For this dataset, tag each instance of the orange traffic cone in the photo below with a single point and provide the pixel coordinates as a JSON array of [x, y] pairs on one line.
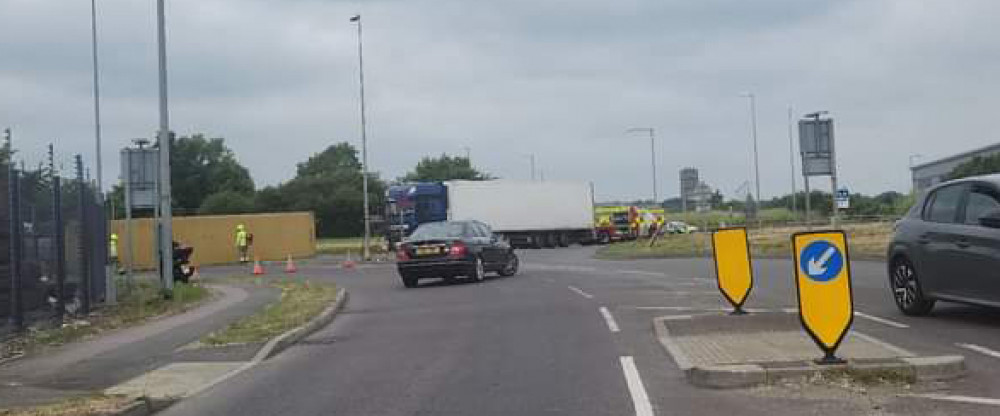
[[257, 268], [348, 264], [290, 265]]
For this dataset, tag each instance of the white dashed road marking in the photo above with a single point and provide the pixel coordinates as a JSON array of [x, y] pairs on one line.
[[980, 349], [639, 398], [882, 321], [959, 399], [612, 325], [581, 292]]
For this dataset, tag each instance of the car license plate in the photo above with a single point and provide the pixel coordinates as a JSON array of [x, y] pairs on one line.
[[424, 251]]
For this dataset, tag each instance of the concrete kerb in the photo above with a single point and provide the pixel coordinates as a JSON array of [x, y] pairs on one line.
[[283, 341], [743, 375]]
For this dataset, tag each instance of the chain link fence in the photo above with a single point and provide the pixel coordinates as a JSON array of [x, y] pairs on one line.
[[53, 243]]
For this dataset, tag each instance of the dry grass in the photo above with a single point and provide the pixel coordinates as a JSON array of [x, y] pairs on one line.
[[78, 406], [866, 241], [300, 301]]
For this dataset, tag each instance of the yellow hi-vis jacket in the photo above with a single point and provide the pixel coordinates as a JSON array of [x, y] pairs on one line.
[[241, 238]]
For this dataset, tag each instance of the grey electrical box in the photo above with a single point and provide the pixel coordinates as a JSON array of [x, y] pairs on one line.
[[140, 170], [816, 147]]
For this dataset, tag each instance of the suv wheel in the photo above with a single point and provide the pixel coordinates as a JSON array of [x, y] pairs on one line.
[[478, 271], [906, 288], [409, 281]]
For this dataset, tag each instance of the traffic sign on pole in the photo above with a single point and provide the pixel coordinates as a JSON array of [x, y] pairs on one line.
[[733, 270], [823, 282]]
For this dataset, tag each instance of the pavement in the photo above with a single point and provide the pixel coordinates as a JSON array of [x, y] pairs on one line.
[[93, 365], [573, 335]]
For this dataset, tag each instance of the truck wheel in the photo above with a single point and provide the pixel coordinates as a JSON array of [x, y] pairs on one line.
[[563, 240], [550, 240], [537, 240]]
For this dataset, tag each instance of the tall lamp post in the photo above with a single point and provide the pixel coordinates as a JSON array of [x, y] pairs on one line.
[[364, 142], [753, 135], [652, 154], [166, 213], [109, 287]]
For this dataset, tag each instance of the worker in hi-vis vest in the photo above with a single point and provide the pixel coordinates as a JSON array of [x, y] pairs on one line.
[[243, 243], [113, 251]]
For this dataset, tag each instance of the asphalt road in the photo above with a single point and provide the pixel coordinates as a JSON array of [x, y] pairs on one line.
[[573, 336]]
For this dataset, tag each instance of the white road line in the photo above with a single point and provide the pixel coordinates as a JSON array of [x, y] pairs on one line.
[[882, 321], [980, 349], [899, 351], [612, 325], [959, 399], [581, 292], [639, 398]]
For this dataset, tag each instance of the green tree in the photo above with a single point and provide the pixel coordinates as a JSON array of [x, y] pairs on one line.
[[227, 202], [979, 165], [201, 167], [329, 184], [443, 168]]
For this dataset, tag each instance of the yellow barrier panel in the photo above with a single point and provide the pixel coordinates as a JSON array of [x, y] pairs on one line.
[[733, 270], [823, 282]]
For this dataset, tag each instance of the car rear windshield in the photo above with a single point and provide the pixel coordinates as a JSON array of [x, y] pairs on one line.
[[436, 230]]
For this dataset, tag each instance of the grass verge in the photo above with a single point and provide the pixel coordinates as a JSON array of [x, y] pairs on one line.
[[300, 301], [77, 406], [866, 241], [144, 302]]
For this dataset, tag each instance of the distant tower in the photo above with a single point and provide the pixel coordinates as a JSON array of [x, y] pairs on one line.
[[689, 184]]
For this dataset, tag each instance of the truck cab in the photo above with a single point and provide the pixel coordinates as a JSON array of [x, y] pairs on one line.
[[409, 205]]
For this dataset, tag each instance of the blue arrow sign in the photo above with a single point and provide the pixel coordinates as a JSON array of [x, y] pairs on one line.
[[821, 261]]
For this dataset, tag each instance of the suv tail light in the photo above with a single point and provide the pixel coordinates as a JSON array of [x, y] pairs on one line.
[[403, 252], [457, 250]]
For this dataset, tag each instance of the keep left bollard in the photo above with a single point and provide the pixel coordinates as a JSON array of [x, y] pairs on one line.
[[733, 270]]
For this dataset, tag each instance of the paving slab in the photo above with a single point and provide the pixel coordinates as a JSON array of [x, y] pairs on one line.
[[175, 380]]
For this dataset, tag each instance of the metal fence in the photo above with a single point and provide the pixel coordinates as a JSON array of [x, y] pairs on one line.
[[53, 227]]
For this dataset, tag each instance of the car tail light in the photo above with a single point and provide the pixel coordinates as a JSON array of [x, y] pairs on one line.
[[403, 252], [458, 250]]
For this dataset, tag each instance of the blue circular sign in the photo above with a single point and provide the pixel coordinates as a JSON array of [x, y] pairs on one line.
[[821, 261]]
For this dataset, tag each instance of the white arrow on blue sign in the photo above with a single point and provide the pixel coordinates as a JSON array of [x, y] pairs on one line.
[[821, 260]]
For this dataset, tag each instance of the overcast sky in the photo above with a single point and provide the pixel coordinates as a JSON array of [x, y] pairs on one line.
[[560, 79]]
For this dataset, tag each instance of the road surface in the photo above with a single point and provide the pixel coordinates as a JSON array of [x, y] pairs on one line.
[[570, 335]]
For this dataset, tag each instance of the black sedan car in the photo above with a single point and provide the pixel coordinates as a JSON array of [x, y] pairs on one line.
[[449, 249], [947, 247]]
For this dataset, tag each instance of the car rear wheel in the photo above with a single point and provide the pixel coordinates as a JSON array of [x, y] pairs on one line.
[[510, 268], [906, 290], [478, 271], [409, 281]]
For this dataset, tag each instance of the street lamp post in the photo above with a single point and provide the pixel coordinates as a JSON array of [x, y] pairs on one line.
[[652, 154], [753, 135], [109, 287], [166, 213], [364, 142], [791, 158]]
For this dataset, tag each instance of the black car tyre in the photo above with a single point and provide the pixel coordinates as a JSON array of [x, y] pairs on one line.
[[563, 240], [511, 267], [409, 281], [478, 271], [906, 290]]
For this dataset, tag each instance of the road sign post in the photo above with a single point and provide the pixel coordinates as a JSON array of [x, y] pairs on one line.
[[733, 270], [823, 283]]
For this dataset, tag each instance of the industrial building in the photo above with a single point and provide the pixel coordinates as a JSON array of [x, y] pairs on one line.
[[931, 173], [694, 192]]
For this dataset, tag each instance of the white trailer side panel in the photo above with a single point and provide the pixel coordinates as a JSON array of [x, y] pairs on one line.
[[507, 205]]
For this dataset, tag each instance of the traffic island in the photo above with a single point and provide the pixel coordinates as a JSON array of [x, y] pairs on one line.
[[722, 351]]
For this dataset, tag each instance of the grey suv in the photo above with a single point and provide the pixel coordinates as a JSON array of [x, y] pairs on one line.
[[947, 247]]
